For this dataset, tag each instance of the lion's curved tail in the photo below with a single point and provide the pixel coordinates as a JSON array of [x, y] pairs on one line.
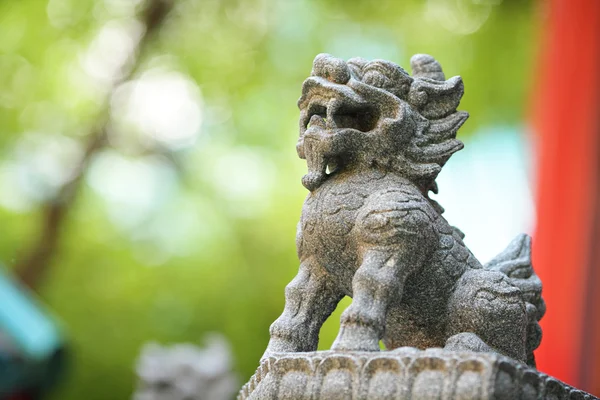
[[515, 262]]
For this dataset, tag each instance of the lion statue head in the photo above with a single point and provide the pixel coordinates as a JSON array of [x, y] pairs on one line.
[[360, 114]]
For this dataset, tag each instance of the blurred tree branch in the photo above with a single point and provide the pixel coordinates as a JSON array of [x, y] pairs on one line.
[[35, 261]]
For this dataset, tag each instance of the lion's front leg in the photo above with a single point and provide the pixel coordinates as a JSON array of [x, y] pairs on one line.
[[395, 234], [378, 281], [310, 298]]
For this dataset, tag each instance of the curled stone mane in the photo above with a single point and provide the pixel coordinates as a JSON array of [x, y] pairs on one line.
[[436, 119]]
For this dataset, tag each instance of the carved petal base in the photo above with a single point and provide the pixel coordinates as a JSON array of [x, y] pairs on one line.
[[404, 373]]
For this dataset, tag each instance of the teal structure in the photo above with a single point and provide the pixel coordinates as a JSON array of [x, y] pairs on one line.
[[32, 345]]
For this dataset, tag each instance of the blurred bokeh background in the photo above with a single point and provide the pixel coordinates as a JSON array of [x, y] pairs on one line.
[[149, 184]]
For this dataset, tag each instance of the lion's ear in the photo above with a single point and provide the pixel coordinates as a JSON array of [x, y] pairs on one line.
[[430, 93], [435, 99]]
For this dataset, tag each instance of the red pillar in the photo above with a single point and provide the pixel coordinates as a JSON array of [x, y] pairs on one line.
[[566, 117]]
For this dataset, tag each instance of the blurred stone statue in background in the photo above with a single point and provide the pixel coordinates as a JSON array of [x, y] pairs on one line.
[[186, 371]]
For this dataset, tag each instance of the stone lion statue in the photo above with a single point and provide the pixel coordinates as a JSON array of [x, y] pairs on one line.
[[374, 139], [186, 371]]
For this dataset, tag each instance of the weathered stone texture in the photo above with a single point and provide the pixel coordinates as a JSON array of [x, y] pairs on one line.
[[404, 373], [374, 139]]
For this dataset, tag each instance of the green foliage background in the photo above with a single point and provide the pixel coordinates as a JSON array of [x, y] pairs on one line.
[[215, 247]]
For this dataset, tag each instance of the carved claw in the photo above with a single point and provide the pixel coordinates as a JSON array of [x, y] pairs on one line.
[[355, 337], [467, 341]]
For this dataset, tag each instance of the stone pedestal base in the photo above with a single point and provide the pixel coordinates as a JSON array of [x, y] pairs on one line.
[[404, 373]]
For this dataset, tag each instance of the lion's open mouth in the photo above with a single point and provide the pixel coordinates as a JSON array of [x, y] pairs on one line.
[[342, 113], [330, 114]]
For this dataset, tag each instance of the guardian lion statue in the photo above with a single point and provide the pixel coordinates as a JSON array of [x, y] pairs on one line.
[[374, 139]]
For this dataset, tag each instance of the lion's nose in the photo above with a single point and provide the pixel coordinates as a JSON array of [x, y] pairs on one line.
[[331, 68]]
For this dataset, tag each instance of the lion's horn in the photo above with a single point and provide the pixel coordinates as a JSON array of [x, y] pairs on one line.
[[425, 66]]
